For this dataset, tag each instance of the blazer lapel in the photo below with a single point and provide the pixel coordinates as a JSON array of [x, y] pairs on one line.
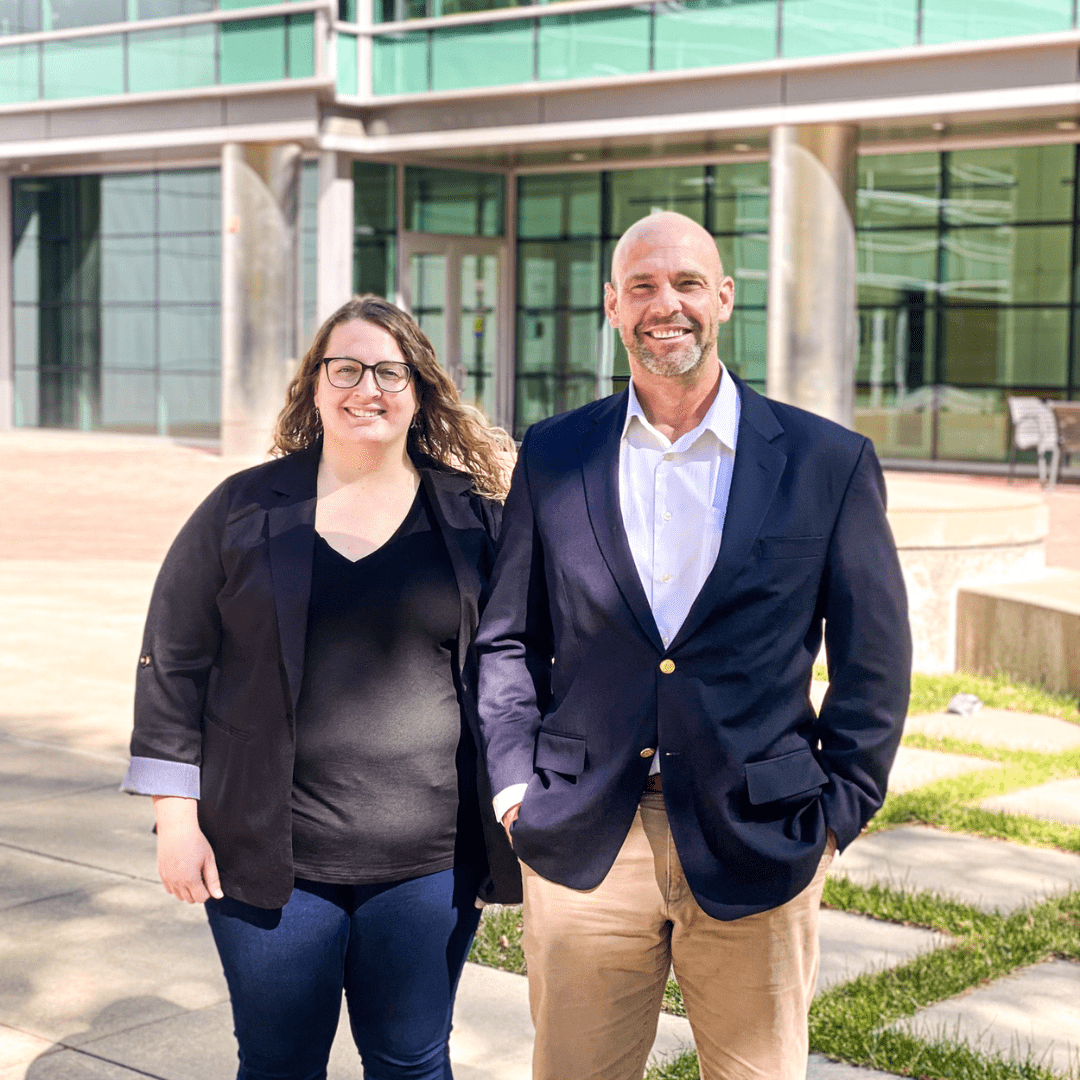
[[453, 516], [758, 468], [600, 471], [292, 547]]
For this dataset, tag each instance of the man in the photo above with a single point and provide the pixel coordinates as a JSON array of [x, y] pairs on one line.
[[668, 558]]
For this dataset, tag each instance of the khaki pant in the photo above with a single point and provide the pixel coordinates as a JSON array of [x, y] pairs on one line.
[[599, 961]]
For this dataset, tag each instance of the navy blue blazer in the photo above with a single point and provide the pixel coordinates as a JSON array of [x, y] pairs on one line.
[[571, 685]]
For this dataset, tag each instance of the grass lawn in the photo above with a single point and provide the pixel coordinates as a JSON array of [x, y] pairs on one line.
[[853, 1022]]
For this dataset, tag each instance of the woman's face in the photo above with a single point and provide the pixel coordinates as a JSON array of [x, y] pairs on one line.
[[365, 415]]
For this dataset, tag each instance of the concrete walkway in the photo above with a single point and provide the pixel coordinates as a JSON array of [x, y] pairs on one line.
[[105, 976]]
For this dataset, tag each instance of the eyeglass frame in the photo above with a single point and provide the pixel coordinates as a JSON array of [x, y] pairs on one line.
[[364, 368]]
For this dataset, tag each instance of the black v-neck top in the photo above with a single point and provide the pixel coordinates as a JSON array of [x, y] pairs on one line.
[[377, 795]]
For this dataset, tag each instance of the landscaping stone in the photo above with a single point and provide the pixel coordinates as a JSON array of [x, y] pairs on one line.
[[852, 945], [1000, 727], [1058, 800], [989, 874], [913, 768], [1031, 1014]]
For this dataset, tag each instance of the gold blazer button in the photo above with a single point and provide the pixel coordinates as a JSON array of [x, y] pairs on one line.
[[144, 660], [667, 666], [648, 752]]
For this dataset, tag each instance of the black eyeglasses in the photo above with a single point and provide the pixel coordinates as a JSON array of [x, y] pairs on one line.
[[345, 373]]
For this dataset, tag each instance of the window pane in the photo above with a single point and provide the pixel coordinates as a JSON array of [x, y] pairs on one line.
[[991, 345], [375, 198], [566, 205], [171, 59], [636, 193], [969, 20], [160, 9], [898, 190], [84, 68], [128, 337], [702, 33], [900, 425], [557, 363], [895, 346], [1032, 183], [189, 200], [971, 425], [128, 202], [598, 43], [742, 344], [127, 269], [373, 266], [482, 55], [190, 268], [18, 73], [189, 405], [346, 65], [559, 275], [19, 16], [1008, 264], [189, 337], [740, 195], [399, 64], [895, 265], [69, 13], [458, 203], [821, 27], [301, 46], [253, 50]]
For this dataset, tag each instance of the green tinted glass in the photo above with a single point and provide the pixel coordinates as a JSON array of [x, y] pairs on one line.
[[994, 345], [253, 50], [561, 274], [746, 259], [822, 27], [704, 33], [399, 64], [598, 43], [898, 190], [19, 17], [742, 344], [19, 73], [482, 55], [740, 197], [559, 205], [1008, 264], [457, 203], [85, 67], [189, 201], [301, 42], [171, 59], [346, 65], [373, 265], [556, 364], [374, 197], [64, 14], [636, 193], [971, 20], [1031, 183], [160, 9], [895, 264]]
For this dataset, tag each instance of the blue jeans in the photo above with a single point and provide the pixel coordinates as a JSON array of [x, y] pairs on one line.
[[397, 950]]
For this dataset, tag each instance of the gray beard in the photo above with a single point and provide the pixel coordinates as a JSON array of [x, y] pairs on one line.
[[681, 363]]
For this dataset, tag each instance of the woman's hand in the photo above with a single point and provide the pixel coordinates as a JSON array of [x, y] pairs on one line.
[[186, 861]]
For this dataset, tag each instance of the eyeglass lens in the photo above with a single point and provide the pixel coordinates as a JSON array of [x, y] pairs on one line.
[[345, 373]]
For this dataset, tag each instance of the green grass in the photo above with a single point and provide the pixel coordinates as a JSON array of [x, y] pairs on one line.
[[498, 940]]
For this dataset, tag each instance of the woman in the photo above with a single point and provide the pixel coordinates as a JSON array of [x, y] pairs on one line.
[[304, 710]]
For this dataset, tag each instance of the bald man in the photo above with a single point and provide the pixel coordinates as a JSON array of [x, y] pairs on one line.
[[670, 560]]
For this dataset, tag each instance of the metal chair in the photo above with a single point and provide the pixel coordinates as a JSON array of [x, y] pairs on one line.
[[1067, 420], [1034, 428]]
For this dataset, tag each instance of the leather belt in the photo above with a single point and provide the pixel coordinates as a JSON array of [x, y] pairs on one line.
[[653, 784]]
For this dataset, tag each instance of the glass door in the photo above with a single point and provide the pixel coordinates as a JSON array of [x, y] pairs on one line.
[[455, 288]]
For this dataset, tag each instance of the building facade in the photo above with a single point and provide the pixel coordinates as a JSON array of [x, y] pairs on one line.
[[476, 162]]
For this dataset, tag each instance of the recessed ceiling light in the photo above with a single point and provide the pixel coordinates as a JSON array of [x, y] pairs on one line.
[[1066, 125], [741, 147], [938, 125], [577, 156]]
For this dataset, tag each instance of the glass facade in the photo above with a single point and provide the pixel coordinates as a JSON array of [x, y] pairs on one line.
[[671, 37], [375, 228], [117, 299], [967, 292], [568, 223]]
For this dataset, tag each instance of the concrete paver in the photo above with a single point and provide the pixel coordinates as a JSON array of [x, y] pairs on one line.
[[820, 1068], [30, 771], [1059, 800], [989, 874], [854, 945], [1000, 727], [1033, 1013], [27, 877], [913, 767]]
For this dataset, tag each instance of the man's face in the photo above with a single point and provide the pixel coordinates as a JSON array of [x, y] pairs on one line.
[[669, 297]]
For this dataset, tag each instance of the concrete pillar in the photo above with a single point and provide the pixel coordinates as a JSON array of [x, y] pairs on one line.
[[7, 309], [260, 294], [335, 264], [812, 336]]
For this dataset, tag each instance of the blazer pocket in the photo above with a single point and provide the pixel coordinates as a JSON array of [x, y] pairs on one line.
[[783, 777], [236, 733], [792, 547], [560, 753]]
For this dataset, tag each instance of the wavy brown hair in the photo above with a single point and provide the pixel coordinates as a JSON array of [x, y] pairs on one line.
[[445, 429]]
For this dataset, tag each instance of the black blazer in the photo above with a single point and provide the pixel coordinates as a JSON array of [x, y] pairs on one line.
[[223, 658], [575, 682]]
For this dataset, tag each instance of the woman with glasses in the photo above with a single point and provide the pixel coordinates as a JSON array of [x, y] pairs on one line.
[[304, 711]]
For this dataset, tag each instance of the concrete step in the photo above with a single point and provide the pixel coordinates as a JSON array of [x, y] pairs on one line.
[[1000, 727], [1028, 629], [1057, 801]]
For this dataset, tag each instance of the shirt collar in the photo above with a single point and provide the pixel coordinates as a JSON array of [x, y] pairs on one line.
[[721, 419]]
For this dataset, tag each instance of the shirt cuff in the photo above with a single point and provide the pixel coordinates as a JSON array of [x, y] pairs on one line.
[[509, 796], [156, 776]]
